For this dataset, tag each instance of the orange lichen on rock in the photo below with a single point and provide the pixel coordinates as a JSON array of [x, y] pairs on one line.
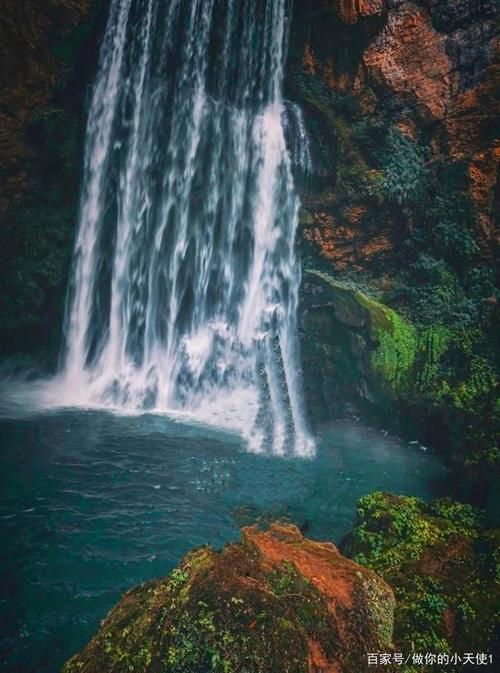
[[336, 577], [308, 62], [483, 179], [354, 214], [376, 244], [471, 113], [333, 241], [407, 128], [350, 11], [408, 57], [275, 601], [345, 243], [318, 662], [332, 79]]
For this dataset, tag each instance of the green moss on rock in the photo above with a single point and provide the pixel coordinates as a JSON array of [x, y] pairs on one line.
[[275, 602], [424, 381], [442, 566], [391, 342], [397, 341]]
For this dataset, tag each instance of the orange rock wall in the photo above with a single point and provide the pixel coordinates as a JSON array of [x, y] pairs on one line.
[[433, 66]]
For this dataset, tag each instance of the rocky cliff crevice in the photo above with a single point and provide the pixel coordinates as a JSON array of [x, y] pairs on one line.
[[48, 54]]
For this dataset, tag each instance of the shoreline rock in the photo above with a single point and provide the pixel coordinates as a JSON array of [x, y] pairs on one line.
[[412, 577], [276, 601], [443, 565]]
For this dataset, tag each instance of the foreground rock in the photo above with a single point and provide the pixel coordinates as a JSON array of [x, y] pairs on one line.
[[274, 602], [444, 568]]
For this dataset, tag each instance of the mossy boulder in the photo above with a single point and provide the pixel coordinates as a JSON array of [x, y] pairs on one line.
[[443, 567], [364, 357], [274, 602], [357, 351]]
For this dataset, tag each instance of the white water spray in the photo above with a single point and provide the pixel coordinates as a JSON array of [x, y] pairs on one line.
[[297, 139], [184, 286]]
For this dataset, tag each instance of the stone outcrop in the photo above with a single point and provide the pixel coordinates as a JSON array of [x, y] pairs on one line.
[[274, 602], [361, 351], [408, 58], [277, 601], [443, 565], [401, 101]]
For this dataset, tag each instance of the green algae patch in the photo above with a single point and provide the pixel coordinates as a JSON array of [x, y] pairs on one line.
[[397, 344], [394, 340], [442, 565]]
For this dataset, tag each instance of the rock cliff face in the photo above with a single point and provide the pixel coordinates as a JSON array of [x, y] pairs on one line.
[[28, 76], [274, 602], [48, 52], [401, 102], [431, 69]]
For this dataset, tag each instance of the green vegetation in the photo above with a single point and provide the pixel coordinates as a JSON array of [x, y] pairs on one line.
[[414, 357], [442, 566], [397, 342], [399, 160], [392, 530], [437, 379], [200, 620], [434, 354], [241, 609]]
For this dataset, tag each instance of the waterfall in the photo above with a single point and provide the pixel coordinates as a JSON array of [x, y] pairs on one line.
[[184, 287], [297, 139]]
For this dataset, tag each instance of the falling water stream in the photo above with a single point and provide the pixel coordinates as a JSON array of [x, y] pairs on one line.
[[183, 295]]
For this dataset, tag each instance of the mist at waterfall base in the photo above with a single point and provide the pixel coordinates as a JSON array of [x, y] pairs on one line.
[[94, 503]]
